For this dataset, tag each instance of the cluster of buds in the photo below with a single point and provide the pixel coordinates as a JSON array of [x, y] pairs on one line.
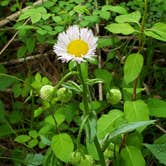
[[63, 95]]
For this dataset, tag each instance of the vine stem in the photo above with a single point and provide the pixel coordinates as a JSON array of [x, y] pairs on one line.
[[86, 113]]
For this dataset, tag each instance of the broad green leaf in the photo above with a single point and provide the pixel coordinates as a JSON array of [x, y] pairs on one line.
[[59, 117], [124, 128], [62, 146], [108, 122], [22, 139], [33, 133], [36, 17], [133, 67], [117, 9], [157, 107], [105, 14], [120, 28], [104, 75], [127, 18], [159, 151], [132, 156], [136, 111], [158, 31], [32, 143]]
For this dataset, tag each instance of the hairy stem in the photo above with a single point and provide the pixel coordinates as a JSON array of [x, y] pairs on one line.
[[86, 113]]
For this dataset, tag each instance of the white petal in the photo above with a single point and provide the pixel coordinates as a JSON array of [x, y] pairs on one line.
[[73, 32]]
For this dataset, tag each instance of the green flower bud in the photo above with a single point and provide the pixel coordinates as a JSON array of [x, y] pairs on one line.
[[87, 160], [64, 95], [75, 158], [46, 92], [114, 96]]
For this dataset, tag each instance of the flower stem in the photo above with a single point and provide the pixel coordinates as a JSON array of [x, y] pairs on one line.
[[86, 114]]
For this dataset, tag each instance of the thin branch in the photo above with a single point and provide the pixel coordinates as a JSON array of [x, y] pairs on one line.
[[15, 15], [9, 42], [21, 60], [161, 129]]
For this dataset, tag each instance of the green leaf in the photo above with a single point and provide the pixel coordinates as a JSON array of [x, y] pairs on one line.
[[34, 159], [92, 150], [62, 146], [17, 90], [127, 18], [57, 19], [15, 117], [103, 75], [136, 111], [161, 139], [124, 128], [157, 107], [22, 139], [21, 52], [108, 122], [81, 9], [106, 42], [121, 28], [159, 151], [105, 15], [36, 17], [5, 130], [91, 127], [33, 133], [158, 31], [32, 143], [59, 117], [116, 9], [129, 127], [5, 82], [38, 112], [133, 67], [72, 86], [30, 44], [132, 156]]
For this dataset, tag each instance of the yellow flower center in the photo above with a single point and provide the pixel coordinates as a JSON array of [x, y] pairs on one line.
[[77, 48]]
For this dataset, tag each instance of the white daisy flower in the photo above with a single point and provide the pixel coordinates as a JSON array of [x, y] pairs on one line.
[[76, 44]]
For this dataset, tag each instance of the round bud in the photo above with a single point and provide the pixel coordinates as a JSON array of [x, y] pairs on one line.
[[114, 96], [46, 92], [64, 95]]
